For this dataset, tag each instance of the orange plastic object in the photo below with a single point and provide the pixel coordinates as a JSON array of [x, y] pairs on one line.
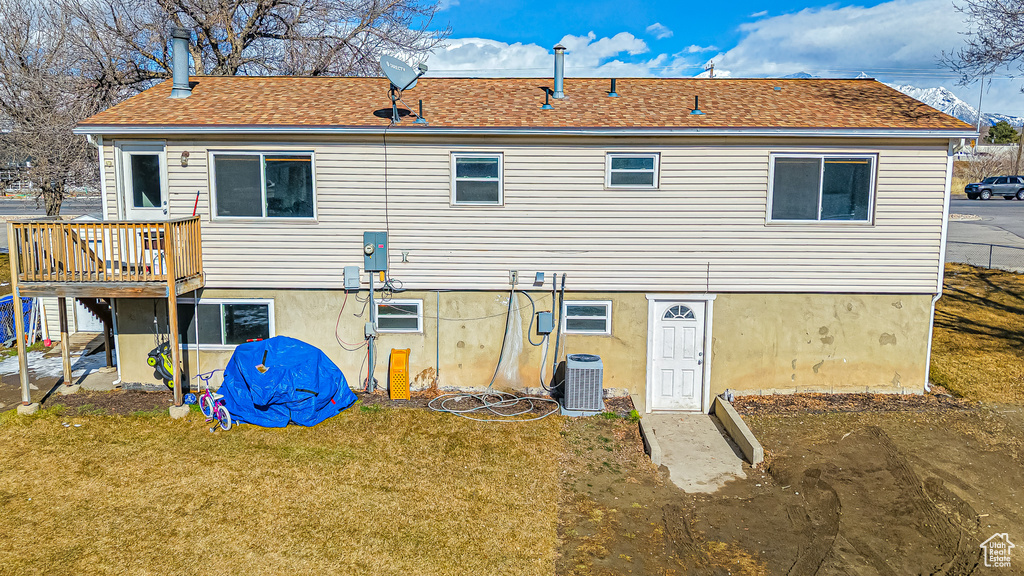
[[398, 374]]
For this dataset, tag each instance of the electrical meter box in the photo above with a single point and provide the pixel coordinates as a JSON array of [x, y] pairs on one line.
[[375, 251]]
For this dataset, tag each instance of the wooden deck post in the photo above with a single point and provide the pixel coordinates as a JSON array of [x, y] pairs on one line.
[[108, 328], [172, 310], [19, 315], [65, 339]]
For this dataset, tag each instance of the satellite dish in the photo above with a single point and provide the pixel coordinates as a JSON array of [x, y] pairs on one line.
[[402, 75]]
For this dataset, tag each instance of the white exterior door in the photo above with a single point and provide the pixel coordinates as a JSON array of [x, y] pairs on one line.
[[144, 182], [677, 362]]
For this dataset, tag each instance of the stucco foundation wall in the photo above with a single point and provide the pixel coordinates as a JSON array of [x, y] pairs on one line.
[[761, 343], [471, 328], [784, 343]]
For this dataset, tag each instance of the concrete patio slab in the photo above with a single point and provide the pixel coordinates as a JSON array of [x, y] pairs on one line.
[[696, 451]]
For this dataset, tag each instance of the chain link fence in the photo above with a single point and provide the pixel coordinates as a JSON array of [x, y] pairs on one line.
[[1009, 258], [31, 310]]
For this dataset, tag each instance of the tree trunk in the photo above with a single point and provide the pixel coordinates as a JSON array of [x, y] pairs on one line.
[[53, 196]]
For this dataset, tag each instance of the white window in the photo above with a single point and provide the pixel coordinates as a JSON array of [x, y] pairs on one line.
[[587, 317], [400, 316], [225, 322], [477, 179], [631, 170], [263, 185], [820, 187]]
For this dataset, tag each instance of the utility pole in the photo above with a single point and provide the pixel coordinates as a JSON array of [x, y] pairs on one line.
[[981, 95]]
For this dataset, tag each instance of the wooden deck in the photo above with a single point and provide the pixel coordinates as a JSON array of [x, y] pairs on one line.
[[111, 259]]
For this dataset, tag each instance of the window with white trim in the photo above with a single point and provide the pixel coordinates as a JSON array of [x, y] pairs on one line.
[[225, 322], [263, 185], [631, 170], [587, 317], [399, 315], [821, 187], [477, 179]]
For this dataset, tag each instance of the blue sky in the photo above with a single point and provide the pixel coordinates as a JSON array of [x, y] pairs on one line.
[[897, 41]]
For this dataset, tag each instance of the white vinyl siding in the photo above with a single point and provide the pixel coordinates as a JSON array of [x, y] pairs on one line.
[[703, 230]]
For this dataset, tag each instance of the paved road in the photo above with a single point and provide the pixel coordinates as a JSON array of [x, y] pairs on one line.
[[13, 206], [996, 240]]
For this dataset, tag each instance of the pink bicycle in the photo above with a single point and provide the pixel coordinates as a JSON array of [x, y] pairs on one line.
[[212, 404]]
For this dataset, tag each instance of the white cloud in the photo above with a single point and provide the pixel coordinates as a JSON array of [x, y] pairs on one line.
[[896, 41], [694, 49], [443, 5], [585, 56], [659, 31], [759, 14]]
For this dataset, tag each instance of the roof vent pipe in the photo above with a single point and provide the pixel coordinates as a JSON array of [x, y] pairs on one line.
[[696, 107], [559, 71], [612, 93], [179, 62]]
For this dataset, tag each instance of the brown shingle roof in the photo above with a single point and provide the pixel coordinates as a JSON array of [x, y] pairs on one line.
[[516, 103]]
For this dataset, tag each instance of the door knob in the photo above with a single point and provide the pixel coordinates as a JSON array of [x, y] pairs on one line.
[[699, 362]]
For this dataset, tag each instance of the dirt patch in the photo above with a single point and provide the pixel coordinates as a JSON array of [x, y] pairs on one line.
[[881, 492], [122, 403], [823, 403]]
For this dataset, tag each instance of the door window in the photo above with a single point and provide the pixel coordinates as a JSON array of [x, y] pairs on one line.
[[145, 180]]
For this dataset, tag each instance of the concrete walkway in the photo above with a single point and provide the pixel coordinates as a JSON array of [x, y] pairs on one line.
[[696, 450]]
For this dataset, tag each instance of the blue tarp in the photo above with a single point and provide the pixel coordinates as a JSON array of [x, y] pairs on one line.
[[301, 384]]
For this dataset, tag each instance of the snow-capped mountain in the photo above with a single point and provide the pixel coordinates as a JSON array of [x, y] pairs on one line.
[[945, 101]]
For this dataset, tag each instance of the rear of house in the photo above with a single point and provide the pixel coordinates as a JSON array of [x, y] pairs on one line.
[[787, 236]]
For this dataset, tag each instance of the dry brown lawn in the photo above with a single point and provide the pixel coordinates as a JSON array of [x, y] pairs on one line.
[[979, 335], [372, 491]]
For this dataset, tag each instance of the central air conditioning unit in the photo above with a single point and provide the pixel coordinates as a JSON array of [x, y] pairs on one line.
[[584, 391]]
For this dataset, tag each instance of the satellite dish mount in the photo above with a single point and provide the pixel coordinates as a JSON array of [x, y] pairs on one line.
[[402, 77]]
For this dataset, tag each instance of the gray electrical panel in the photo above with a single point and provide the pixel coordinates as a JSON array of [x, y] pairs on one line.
[[375, 251], [351, 277]]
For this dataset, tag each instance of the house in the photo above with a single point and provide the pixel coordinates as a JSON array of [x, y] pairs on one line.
[[758, 235]]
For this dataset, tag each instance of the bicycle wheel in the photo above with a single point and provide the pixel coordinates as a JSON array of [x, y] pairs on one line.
[[206, 405], [224, 417]]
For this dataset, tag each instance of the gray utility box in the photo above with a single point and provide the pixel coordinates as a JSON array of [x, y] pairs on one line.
[[352, 279], [375, 251], [584, 379]]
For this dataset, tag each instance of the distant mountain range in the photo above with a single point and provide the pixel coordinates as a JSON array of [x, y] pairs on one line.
[[945, 101]]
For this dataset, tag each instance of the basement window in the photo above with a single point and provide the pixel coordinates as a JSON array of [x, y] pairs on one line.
[[400, 316], [814, 188], [263, 185], [477, 179], [225, 322], [631, 171], [587, 317]]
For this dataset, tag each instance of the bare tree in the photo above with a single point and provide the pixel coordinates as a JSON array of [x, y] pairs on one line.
[[42, 95], [994, 39], [252, 37]]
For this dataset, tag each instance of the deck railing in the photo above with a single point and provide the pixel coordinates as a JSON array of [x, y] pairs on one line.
[[111, 251]]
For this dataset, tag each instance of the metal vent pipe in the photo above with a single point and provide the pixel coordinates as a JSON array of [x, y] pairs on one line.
[[179, 62], [559, 71]]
